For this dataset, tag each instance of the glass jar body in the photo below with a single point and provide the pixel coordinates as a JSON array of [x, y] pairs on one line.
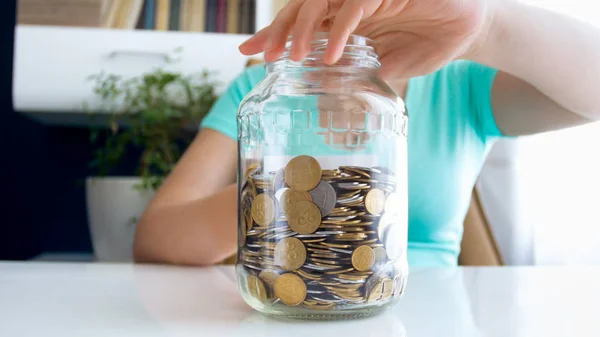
[[322, 231]]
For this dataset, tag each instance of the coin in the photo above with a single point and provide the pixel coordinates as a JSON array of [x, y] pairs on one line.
[[290, 254], [394, 241], [256, 288], [290, 289], [303, 173], [384, 222], [291, 196], [304, 217], [363, 258], [375, 201], [392, 204], [268, 276], [375, 293], [388, 285], [324, 197], [398, 286], [243, 230], [380, 255], [279, 179], [263, 209]]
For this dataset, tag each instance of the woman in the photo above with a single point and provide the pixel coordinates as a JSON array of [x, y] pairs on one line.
[[475, 71]]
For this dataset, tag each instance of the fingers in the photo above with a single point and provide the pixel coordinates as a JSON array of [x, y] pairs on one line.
[[280, 30], [272, 38], [255, 44], [310, 18], [344, 24]]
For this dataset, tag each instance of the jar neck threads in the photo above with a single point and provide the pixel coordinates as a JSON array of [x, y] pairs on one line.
[[359, 53]]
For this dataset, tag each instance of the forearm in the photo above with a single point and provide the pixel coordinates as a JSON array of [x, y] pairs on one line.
[[201, 232], [556, 54]]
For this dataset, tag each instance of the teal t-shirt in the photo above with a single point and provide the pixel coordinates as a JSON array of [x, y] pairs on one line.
[[450, 130]]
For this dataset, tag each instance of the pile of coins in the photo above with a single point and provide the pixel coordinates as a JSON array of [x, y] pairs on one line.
[[322, 238]]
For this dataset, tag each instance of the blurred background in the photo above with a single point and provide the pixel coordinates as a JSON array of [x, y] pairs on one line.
[[79, 166]]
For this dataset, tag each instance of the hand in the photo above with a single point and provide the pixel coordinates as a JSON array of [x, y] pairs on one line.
[[412, 37]]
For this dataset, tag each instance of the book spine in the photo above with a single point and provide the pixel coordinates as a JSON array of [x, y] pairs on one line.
[[162, 14], [221, 16], [149, 14], [141, 23], [232, 16], [174, 17], [211, 16]]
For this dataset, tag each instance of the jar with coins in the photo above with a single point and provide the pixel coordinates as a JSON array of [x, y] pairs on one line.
[[323, 208]]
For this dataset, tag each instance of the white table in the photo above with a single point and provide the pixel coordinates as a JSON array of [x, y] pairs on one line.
[[90, 299]]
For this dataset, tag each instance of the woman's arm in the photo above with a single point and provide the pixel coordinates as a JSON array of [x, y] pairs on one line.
[[549, 64], [192, 220], [549, 68]]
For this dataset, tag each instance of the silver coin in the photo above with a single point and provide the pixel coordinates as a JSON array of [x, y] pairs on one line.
[[252, 266], [314, 291], [341, 280], [324, 197], [340, 250], [340, 218], [308, 236], [350, 200], [279, 179], [339, 299], [263, 178], [330, 232], [279, 193], [393, 204], [350, 185], [394, 241]]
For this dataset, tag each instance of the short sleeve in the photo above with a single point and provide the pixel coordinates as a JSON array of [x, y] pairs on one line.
[[222, 117], [481, 80]]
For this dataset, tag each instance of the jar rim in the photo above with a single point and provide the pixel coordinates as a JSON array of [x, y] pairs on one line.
[[358, 50], [353, 39]]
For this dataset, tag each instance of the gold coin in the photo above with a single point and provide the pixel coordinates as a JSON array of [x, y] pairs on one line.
[[363, 258], [243, 231], [290, 289], [290, 254], [256, 288], [375, 292], [304, 217], [291, 196], [303, 173], [263, 209], [268, 276], [375, 201], [388, 286]]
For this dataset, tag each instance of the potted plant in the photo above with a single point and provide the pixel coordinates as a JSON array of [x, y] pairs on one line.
[[152, 118]]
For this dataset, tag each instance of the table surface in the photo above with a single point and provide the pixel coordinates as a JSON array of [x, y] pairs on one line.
[[94, 299]]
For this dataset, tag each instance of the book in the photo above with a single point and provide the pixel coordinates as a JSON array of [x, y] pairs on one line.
[[129, 13], [149, 14], [163, 8], [174, 14], [211, 16], [82, 13], [221, 16], [192, 15], [232, 17]]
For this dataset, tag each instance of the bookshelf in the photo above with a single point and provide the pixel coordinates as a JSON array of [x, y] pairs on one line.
[[201, 16], [53, 57]]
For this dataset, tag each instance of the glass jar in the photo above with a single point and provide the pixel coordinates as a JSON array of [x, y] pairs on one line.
[[323, 187]]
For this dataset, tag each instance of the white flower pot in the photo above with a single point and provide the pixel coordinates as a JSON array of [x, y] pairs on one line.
[[112, 204]]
